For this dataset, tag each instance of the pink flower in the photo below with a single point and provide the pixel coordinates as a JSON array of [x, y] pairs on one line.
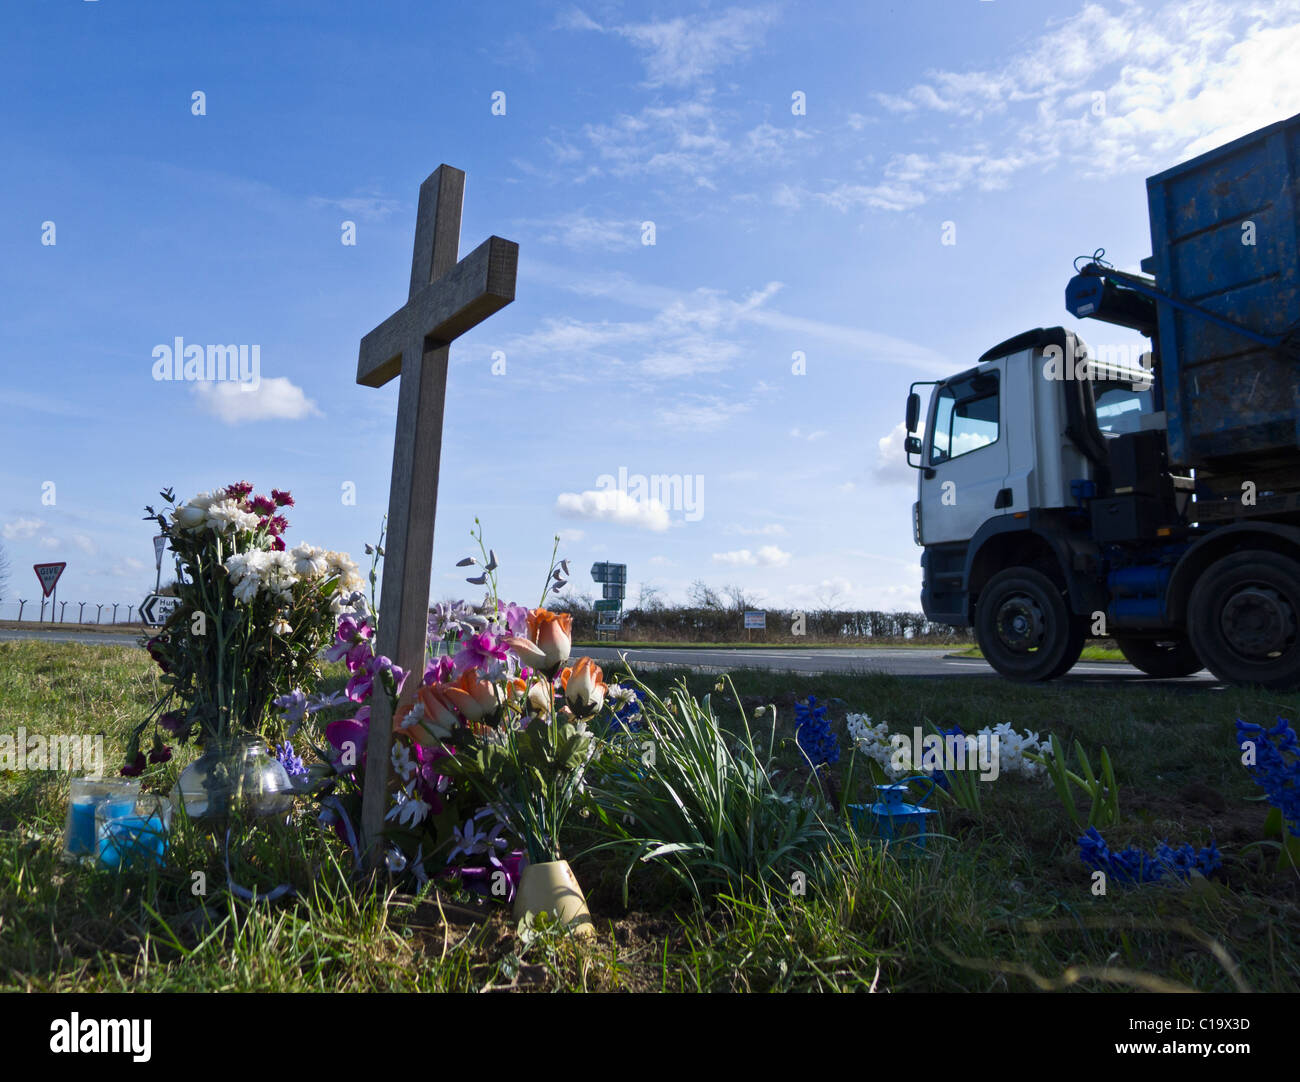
[[282, 499], [239, 490]]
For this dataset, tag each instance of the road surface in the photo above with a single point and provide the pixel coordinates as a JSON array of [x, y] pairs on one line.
[[910, 661]]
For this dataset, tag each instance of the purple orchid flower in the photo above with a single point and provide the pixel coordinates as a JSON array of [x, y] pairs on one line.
[[348, 738], [439, 670], [483, 652]]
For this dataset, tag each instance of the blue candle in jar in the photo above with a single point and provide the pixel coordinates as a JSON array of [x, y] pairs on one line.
[[81, 829]]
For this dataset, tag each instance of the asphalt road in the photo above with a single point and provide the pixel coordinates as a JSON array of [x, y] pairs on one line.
[[912, 661]]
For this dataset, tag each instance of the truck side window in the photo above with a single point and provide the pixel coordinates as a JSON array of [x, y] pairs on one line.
[[965, 419]]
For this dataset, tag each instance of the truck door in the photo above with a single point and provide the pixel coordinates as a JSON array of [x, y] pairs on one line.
[[966, 455]]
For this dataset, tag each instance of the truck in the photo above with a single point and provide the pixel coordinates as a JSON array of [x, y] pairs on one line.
[[1150, 495]]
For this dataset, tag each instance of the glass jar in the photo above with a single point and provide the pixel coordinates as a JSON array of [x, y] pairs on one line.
[[239, 774], [88, 794]]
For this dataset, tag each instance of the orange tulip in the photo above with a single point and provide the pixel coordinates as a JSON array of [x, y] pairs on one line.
[[552, 632], [436, 719], [477, 699], [584, 688]]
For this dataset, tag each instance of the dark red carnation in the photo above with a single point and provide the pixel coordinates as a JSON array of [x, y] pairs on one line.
[[135, 767], [156, 653], [281, 498], [239, 490], [160, 754], [261, 505], [278, 525]]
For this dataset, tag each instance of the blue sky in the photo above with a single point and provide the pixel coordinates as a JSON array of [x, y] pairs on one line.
[[1028, 125]]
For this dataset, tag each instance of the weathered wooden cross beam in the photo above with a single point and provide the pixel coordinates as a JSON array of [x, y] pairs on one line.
[[446, 299]]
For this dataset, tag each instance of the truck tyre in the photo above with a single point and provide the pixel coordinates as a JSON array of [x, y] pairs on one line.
[[1025, 629], [1161, 657], [1242, 619]]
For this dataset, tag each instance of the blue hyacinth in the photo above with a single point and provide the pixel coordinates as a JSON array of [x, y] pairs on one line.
[[1134, 865], [292, 763], [812, 732], [1277, 766]]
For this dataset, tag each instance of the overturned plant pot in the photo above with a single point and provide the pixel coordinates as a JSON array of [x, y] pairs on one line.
[[551, 888]]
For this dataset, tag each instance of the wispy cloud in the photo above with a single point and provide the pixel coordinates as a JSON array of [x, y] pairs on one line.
[[21, 529], [366, 208], [767, 556], [680, 51]]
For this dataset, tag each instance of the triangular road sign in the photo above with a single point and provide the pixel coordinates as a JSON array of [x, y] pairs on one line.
[[49, 575]]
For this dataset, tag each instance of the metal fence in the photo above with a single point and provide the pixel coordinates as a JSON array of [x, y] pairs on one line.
[[31, 611]]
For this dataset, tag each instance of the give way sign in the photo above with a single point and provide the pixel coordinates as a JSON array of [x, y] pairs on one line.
[[49, 575]]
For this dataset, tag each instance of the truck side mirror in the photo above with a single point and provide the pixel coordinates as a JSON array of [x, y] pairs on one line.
[[912, 445], [913, 412]]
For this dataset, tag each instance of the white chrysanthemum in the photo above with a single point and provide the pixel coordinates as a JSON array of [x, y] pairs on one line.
[[246, 589], [349, 575], [309, 562], [226, 515]]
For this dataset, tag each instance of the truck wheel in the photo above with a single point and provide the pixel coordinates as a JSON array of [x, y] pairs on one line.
[[1025, 629], [1161, 657], [1242, 619]]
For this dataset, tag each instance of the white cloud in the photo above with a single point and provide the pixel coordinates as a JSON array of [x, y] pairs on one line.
[[613, 505], [270, 399], [767, 556], [799, 434], [891, 461], [132, 564], [772, 529], [85, 543], [572, 536], [660, 561], [50, 543], [21, 529]]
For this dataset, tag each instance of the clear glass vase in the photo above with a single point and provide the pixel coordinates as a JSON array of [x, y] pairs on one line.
[[234, 776]]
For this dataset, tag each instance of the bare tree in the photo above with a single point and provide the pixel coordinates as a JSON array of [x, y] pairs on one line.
[[650, 598], [829, 595], [702, 596], [740, 600]]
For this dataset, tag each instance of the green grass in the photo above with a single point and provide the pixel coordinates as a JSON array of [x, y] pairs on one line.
[[1003, 905]]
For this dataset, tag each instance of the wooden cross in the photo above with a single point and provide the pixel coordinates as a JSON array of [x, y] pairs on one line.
[[446, 299]]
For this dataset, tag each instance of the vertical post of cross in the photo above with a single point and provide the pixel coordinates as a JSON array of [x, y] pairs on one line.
[[446, 298]]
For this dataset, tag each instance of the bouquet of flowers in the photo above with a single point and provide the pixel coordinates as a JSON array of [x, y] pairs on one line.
[[252, 618], [490, 746]]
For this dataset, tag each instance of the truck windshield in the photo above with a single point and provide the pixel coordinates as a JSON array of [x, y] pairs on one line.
[[965, 417]]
